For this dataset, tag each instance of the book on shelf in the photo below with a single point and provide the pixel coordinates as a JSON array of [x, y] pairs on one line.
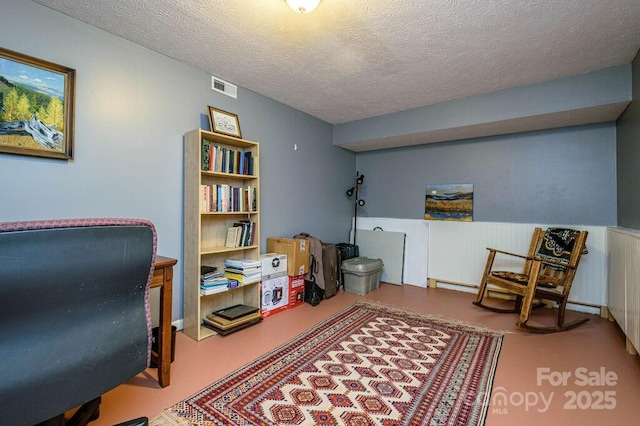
[[246, 271], [252, 233], [240, 226], [223, 323], [216, 198], [223, 331], [205, 269], [238, 237], [213, 290], [225, 284], [243, 263], [210, 275], [247, 233], [213, 280], [234, 234], [234, 312], [223, 197], [244, 279], [204, 199], [232, 318], [206, 155], [217, 158]]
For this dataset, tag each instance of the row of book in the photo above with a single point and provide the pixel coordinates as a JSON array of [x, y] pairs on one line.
[[218, 158], [241, 234], [227, 198]]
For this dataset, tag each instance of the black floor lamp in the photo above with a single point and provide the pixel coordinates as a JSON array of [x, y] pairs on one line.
[[358, 202]]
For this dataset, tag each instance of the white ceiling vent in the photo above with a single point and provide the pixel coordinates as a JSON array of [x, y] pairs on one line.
[[219, 85]]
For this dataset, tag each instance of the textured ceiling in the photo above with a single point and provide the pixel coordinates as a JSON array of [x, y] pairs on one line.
[[355, 59]]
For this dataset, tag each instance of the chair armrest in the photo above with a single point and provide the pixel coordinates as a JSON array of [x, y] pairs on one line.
[[554, 262], [509, 254]]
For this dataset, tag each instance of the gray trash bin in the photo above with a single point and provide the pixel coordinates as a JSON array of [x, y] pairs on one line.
[[361, 274]]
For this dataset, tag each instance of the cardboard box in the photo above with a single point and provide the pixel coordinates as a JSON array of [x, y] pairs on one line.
[[273, 265], [274, 295], [297, 251], [296, 291]]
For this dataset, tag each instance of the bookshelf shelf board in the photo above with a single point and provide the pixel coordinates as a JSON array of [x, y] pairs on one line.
[[222, 249], [226, 140], [225, 175], [228, 213]]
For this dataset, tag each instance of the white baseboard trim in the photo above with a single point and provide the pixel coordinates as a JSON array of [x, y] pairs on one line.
[[178, 324]]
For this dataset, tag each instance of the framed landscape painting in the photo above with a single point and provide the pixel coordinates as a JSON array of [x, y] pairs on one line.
[[36, 106], [449, 202]]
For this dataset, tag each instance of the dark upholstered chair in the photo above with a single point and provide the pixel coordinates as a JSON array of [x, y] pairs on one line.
[[547, 273], [74, 314]]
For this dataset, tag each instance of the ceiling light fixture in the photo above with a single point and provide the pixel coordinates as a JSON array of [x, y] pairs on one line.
[[303, 6]]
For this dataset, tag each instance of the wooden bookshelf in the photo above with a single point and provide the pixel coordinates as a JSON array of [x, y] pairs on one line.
[[205, 231]]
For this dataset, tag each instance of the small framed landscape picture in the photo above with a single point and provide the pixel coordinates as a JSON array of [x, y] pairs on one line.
[[449, 202], [36, 106], [224, 122]]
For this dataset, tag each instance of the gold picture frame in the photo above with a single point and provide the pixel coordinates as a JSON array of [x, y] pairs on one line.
[[37, 100], [224, 122]]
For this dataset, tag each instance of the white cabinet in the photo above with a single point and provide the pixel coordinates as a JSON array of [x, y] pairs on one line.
[[624, 282]]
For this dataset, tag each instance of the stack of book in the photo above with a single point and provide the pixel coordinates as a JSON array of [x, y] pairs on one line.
[[245, 271], [240, 234], [233, 318], [212, 281]]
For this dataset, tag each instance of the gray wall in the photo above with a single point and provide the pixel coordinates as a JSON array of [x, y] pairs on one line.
[[132, 108], [629, 157], [595, 97], [564, 176], [301, 173]]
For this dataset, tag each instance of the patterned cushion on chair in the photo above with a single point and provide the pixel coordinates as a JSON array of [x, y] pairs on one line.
[[511, 276], [521, 278]]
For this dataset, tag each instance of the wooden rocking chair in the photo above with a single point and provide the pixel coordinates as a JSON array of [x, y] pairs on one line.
[[547, 274]]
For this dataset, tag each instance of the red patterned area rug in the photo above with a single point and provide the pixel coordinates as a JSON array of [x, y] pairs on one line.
[[370, 364]]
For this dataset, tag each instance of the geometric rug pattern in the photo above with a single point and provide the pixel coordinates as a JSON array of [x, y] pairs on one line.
[[370, 364]]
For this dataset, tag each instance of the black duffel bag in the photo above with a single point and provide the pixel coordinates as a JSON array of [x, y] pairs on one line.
[[313, 294]]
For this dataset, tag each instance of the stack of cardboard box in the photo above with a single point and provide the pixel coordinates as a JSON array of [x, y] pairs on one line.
[[274, 289], [297, 258]]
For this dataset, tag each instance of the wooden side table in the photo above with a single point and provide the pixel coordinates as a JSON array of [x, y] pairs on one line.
[[163, 278]]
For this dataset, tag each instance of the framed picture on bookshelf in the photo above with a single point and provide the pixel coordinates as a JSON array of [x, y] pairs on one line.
[[224, 122], [36, 106]]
